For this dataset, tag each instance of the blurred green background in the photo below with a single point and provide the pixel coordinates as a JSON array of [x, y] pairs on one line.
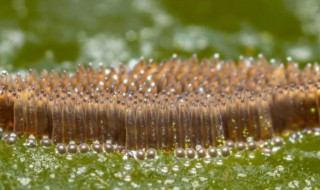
[[58, 34], [43, 34]]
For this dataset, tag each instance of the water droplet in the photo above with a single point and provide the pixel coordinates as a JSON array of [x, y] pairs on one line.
[[251, 156], [4, 73], [206, 160], [238, 155], [69, 157], [164, 169], [127, 178], [198, 165], [175, 168], [193, 170], [288, 157], [317, 131], [216, 56], [280, 168], [219, 162], [127, 166]]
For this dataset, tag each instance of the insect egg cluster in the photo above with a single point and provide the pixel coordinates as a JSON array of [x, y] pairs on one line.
[[176, 104]]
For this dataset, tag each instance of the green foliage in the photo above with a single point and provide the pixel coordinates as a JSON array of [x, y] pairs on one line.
[[295, 165], [114, 32]]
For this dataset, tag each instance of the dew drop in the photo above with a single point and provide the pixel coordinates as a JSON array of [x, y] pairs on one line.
[[193, 170], [251, 156], [164, 169], [288, 157], [127, 166], [127, 178], [198, 165], [187, 164], [175, 168], [219, 162]]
